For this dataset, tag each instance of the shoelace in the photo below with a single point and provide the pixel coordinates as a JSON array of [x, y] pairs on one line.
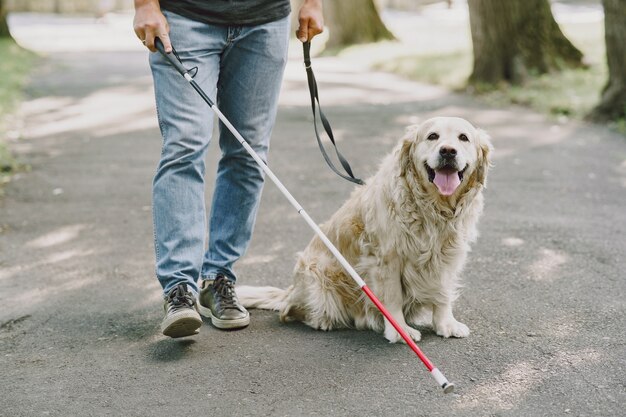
[[225, 290], [180, 298]]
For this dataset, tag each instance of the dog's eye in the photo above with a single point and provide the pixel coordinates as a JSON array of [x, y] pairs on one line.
[[463, 138], [433, 136]]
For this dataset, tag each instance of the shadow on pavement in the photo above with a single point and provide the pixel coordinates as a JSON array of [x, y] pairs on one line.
[[169, 350]]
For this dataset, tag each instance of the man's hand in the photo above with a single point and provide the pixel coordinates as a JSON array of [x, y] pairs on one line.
[[311, 20], [150, 23]]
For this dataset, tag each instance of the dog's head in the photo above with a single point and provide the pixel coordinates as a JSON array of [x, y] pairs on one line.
[[448, 155]]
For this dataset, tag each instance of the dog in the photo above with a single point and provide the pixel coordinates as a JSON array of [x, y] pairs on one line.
[[407, 232]]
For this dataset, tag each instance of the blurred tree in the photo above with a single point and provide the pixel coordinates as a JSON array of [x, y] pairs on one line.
[[354, 21], [514, 38], [4, 27], [612, 105]]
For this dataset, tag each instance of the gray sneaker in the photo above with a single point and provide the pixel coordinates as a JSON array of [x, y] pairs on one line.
[[181, 318], [218, 301]]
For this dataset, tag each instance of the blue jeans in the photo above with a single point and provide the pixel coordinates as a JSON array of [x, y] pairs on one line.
[[241, 69]]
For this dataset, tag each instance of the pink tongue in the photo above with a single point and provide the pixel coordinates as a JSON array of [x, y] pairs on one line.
[[446, 181]]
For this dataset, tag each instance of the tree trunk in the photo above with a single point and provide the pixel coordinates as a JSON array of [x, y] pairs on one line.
[[4, 27], [354, 21], [612, 105], [515, 38]]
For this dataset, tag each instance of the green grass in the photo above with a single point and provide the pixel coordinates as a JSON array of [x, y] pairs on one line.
[[570, 93], [15, 63], [451, 69]]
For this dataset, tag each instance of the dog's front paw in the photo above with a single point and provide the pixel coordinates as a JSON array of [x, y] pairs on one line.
[[393, 336], [452, 328]]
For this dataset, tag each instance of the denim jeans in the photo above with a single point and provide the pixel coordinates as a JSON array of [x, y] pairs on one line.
[[241, 69]]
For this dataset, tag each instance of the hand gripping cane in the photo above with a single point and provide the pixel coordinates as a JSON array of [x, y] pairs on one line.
[[447, 387]]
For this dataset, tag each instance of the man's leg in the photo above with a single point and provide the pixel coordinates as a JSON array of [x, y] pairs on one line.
[[178, 190], [250, 77], [248, 89]]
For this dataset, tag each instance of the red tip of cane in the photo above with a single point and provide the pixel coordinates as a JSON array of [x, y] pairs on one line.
[[448, 388]]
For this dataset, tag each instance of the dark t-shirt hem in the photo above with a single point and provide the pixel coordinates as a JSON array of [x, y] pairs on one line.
[[250, 19]]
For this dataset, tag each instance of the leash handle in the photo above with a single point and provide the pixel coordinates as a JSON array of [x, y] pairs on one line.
[[325, 123]]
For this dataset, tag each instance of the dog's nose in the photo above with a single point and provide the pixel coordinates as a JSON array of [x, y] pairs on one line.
[[447, 152]]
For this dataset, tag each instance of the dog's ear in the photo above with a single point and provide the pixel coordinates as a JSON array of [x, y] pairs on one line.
[[406, 144], [485, 150]]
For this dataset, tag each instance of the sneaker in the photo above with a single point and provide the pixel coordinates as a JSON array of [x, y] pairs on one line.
[[217, 300], [181, 318]]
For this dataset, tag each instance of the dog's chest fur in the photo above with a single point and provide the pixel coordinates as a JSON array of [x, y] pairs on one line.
[[430, 264], [431, 245]]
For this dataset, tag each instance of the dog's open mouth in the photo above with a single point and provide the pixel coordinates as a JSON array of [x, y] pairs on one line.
[[447, 179]]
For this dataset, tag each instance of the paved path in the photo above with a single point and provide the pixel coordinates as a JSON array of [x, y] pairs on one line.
[[545, 285]]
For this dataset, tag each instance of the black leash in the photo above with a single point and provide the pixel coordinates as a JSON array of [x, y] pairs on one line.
[[315, 99], [178, 63]]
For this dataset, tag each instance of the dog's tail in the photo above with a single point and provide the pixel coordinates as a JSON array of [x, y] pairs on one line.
[[266, 298]]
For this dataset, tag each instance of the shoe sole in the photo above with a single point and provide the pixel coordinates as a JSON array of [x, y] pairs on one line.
[[182, 324], [224, 324]]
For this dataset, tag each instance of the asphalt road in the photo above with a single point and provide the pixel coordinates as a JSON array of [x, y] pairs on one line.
[[544, 289]]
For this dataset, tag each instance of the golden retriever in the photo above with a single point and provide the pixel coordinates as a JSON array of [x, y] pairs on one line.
[[407, 232]]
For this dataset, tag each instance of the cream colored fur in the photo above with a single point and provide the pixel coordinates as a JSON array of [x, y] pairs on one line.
[[406, 240]]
